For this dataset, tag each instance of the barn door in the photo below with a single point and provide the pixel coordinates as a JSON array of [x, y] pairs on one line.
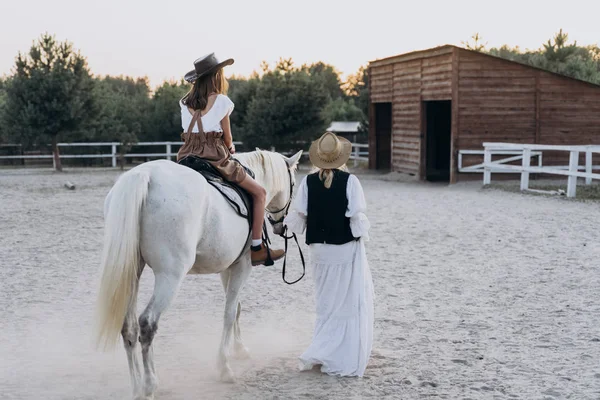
[[437, 141], [383, 135]]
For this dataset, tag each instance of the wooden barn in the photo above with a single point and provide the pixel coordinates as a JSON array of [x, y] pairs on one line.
[[428, 105]]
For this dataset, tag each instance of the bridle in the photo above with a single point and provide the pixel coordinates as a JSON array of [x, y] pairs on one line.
[[285, 208], [283, 233]]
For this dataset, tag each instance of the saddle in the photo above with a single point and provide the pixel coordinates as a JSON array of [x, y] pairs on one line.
[[238, 198]]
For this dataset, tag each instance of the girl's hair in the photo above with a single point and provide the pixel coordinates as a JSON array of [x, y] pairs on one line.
[[197, 97], [326, 175]]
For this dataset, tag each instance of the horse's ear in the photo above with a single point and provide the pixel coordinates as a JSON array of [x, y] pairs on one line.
[[293, 160]]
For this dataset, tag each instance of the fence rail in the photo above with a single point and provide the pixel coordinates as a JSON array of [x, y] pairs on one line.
[[525, 152], [479, 168], [358, 153]]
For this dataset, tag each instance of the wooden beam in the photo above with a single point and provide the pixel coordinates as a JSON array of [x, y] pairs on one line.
[[423, 133], [537, 108], [455, 117], [372, 138]]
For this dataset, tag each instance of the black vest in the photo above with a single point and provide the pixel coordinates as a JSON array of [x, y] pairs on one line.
[[326, 220]]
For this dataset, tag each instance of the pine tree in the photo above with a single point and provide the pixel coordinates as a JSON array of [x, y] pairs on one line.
[[49, 95]]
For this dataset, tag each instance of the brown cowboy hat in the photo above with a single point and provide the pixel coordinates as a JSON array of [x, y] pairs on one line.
[[330, 151], [205, 65]]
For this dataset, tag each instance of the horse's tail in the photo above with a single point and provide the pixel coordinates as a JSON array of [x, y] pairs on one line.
[[121, 254]]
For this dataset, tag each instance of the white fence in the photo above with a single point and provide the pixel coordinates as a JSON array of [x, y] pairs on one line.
[[358, 151], [525, 152], [479, 168]]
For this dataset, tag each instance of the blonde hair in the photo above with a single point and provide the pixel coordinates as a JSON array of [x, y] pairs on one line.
[[326, 175]]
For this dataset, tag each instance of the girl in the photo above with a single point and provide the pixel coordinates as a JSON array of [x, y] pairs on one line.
[[330, 206], [205, 112]]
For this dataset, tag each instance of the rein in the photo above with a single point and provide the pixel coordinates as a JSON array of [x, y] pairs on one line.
[[267, 240], [284, 235]]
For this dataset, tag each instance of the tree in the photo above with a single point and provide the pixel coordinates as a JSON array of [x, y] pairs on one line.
[[163, 120], [241, 92], [559, 51], [357, 88], [558, 56], [286, 108], [122, 105], [49, 95], [342, 109], [3, 84], [329, 78], [476, 44]]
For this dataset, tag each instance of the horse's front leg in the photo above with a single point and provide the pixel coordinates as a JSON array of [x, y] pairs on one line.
[[238, 275]]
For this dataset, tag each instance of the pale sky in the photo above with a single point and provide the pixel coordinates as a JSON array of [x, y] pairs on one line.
[[161, 39]]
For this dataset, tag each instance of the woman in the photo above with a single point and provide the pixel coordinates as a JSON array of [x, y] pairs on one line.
[[205, 112], [330, 206]]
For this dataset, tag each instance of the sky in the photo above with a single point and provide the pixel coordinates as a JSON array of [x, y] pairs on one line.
[[161, 39]]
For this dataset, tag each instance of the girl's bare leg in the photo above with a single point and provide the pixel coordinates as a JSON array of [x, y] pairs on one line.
[[259, 197]]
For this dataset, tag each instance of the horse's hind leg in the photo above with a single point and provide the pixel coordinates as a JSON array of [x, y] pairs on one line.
[[240, 351], [130, 333], [238, 275], [166, 285]]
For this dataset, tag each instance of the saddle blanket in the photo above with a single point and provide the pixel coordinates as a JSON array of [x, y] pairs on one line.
[[238, 198]]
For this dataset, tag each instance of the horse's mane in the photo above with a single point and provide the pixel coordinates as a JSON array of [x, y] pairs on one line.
[[271, 164]]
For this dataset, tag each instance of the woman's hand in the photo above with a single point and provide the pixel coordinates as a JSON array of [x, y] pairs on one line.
[[232, 148]]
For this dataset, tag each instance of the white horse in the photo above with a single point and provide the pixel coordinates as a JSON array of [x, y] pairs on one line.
[[168, 217]]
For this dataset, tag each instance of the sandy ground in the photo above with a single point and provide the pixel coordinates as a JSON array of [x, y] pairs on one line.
[[479, 295]]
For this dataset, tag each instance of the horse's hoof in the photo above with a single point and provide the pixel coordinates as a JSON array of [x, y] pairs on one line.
[[242, 353], [227, 375], [147, 392]]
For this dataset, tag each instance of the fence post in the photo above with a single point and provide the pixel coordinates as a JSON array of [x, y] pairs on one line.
[[114, 155], [169, 151], [525, 171], [573, 168], [487, 171], [588, 166], [355, 151]]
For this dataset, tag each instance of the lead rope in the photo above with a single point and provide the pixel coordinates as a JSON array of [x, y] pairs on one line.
[[285, 257], [267, 241]]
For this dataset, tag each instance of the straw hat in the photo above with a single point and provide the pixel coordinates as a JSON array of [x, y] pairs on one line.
[[330, 151], [205, 65]]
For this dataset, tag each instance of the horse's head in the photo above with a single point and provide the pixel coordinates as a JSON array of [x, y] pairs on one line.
[[279, 204], [277, 174]]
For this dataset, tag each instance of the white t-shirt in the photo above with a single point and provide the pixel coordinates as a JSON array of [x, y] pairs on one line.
[[211, 121]]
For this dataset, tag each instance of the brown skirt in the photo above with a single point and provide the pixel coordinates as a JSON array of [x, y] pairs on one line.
[[211, 147]]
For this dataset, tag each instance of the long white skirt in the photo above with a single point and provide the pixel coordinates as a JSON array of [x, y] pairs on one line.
[[343, 335]]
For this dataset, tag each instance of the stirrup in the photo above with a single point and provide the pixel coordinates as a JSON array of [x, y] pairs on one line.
[[269, 261], [266, 241]]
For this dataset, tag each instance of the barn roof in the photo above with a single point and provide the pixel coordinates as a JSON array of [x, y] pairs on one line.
[[344, 127], [448, 48]]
